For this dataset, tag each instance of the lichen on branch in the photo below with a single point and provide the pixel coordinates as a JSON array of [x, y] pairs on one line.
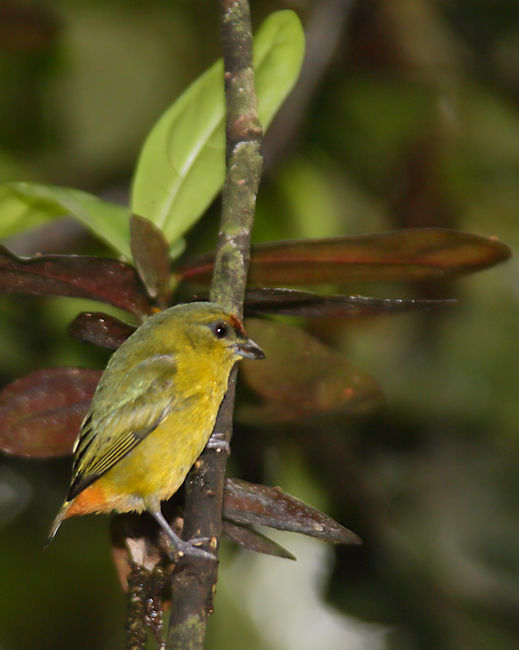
[[193, 588]]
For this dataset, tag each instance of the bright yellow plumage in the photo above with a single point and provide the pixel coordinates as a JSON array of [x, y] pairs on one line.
[[154, 410]]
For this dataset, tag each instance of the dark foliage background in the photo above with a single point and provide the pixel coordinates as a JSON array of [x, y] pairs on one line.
[[407, 115]]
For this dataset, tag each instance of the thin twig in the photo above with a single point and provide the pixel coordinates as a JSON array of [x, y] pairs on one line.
[[138, 586], [194, 586]]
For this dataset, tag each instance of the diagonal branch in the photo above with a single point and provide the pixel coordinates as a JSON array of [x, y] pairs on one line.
[[193, 587]]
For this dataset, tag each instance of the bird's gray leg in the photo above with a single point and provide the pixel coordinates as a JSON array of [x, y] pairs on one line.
[[219, 445], [182, 547]]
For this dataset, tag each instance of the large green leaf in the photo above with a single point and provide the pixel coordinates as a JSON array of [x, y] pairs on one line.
[[17, 214], [23, 205], [181, 167]]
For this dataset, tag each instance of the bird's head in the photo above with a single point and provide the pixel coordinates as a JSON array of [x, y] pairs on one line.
[[207, 327]]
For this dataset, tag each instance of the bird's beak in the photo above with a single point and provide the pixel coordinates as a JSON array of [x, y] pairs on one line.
[[247, 348]]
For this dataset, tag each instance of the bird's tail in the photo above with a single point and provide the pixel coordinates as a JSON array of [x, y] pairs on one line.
[[57, 522]]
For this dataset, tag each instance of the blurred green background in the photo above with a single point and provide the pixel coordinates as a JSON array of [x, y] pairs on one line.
[[407, 114]]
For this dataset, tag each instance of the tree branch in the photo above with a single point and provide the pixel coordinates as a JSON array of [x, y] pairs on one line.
[[194, 586]]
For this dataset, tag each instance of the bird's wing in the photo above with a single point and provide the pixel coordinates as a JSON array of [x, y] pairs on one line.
[[118, 422]]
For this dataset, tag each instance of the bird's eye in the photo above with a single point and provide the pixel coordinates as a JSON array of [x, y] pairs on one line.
[[220, 330]]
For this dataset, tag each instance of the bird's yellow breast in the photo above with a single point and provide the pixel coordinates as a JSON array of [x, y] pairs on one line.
[[159, 464]]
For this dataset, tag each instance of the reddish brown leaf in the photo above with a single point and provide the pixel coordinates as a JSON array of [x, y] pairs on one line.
[[253, 541], [404, 255], [305, 375], [40, 414], [27, 27], [76, 276], [274, 413], [100, 329], [150, 252], [252, 504], [293, 302]]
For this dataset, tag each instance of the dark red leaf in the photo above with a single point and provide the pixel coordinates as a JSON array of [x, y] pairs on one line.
[[403, 255], [40, 414], [76, 276], [274, 413], [304, 375], [150, 252], [293, 302], [27, 27], [253, 541], [252, 504], [100, 329]]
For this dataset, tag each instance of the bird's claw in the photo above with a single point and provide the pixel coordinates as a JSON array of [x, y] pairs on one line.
[[220, 446], [199, 541], [189, 550], [183, 548]]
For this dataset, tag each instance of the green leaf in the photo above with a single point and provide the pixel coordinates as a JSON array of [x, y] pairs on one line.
[[181, 167], [17, 214], [279, 48], [24, 205]]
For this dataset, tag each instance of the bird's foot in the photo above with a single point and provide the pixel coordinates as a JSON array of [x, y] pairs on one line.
[[184, 548], [188, 549], [220, 446]]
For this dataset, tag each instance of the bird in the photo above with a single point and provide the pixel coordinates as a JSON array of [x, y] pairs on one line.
[[153, 412]]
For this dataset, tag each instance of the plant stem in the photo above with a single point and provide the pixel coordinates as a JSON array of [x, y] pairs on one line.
[[138, 585], [194, 586]]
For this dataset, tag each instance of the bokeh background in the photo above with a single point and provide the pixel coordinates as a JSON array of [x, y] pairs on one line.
[[407, 114]]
